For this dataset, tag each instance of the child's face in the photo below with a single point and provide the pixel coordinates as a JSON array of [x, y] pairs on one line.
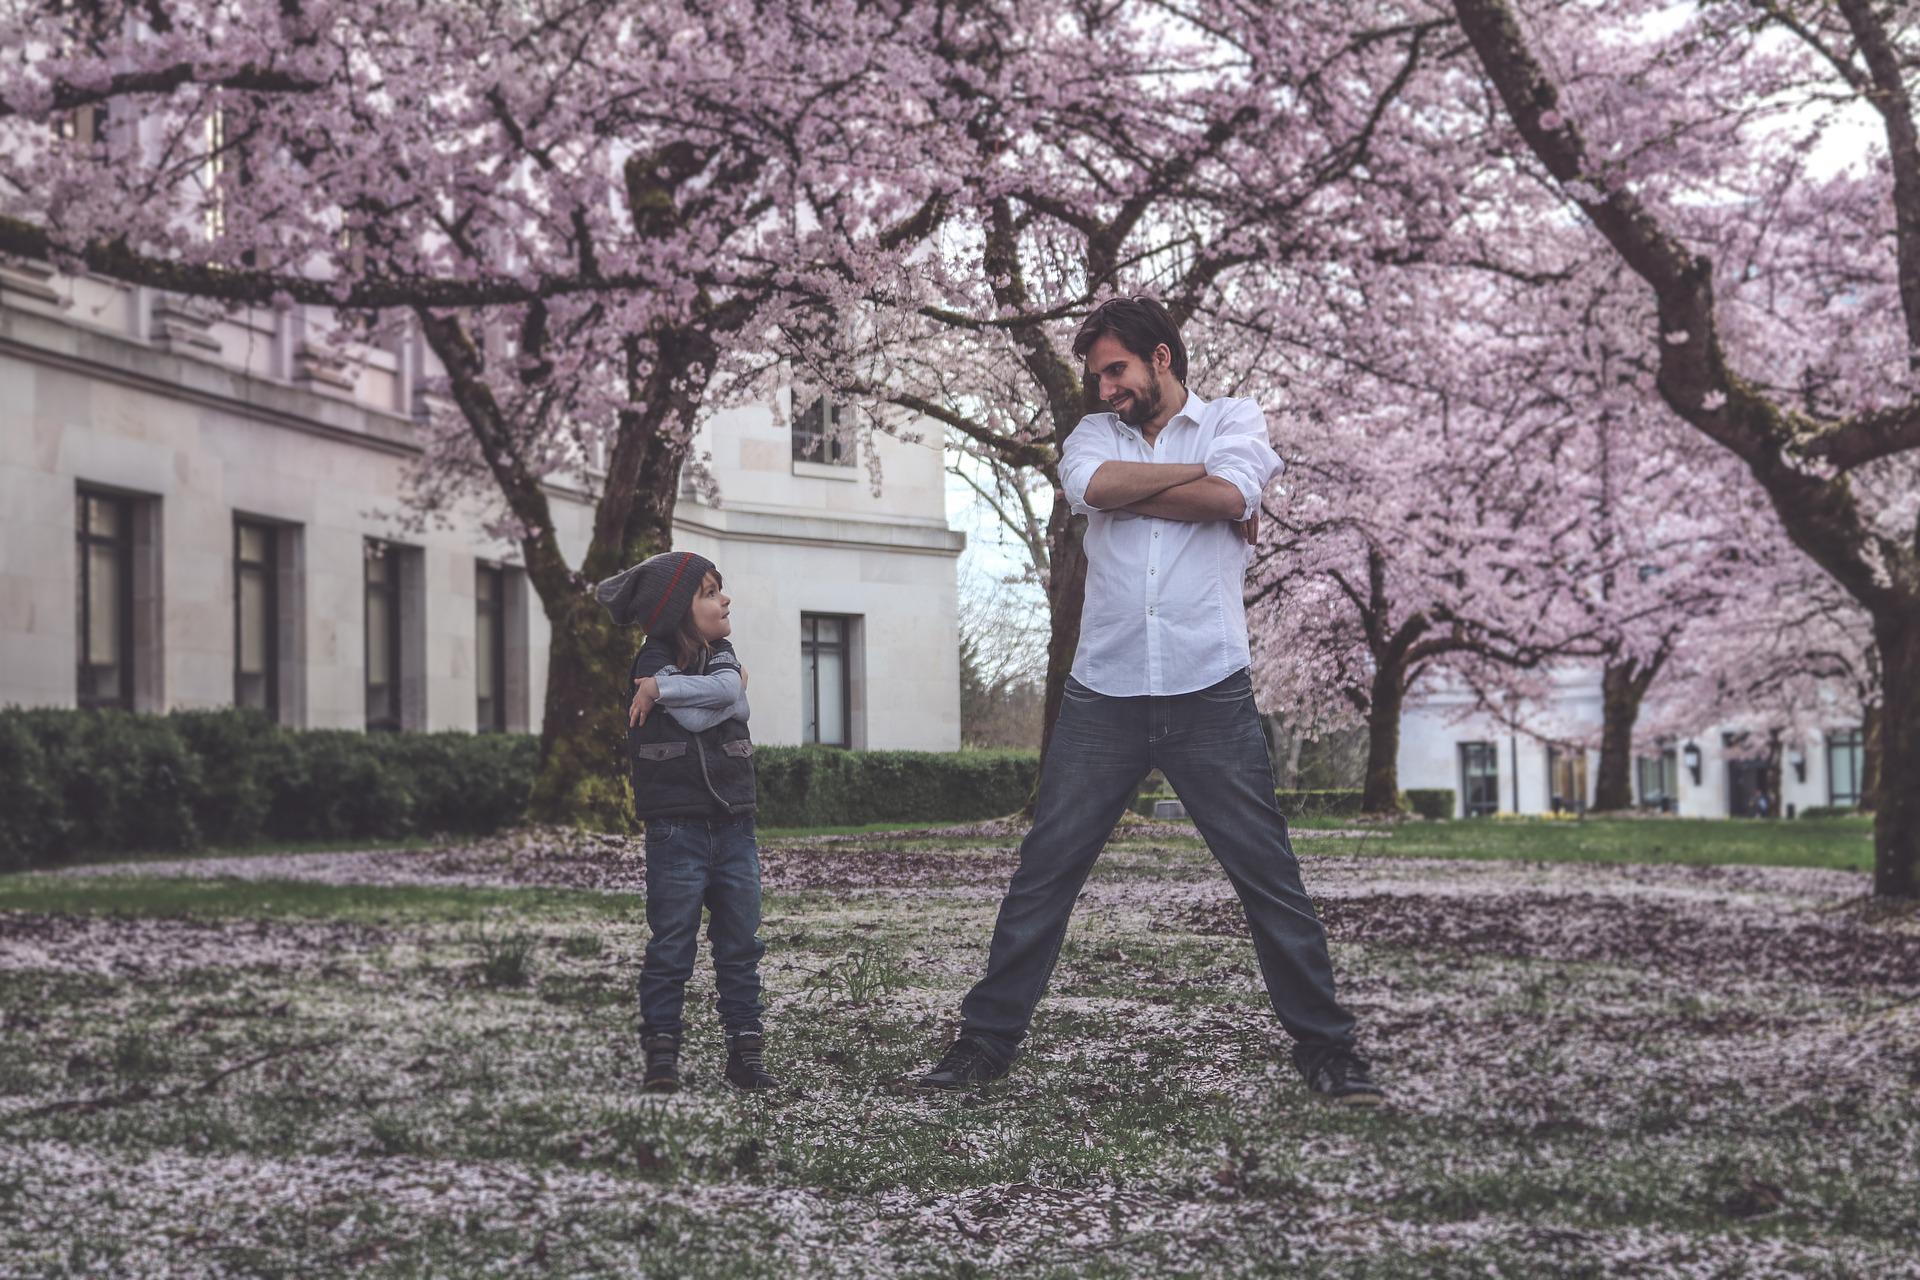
[[709, 610]]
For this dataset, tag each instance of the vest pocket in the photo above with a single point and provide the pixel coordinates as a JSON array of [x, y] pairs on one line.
[[658, 750], [741, 747]]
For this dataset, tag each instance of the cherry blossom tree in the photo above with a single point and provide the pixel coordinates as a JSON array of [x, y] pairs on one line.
[[593, 228], [1211, 158], [1787, 300]]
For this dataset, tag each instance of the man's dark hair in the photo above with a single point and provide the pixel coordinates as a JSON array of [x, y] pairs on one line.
[[1140, 323]]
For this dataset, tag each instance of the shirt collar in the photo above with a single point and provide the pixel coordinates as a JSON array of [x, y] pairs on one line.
[[1191, 411]]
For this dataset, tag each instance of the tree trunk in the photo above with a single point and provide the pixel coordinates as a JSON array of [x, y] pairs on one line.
[[1896, 824], [583, 779], [1381, 793], [583, 774], [1066, 593], [1869, 758], [1623, 687], [1770, 778]]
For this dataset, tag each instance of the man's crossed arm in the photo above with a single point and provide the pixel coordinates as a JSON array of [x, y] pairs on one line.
[[1170, 491]]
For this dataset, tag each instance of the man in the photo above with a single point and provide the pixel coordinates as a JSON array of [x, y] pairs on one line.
[[1170, 485]]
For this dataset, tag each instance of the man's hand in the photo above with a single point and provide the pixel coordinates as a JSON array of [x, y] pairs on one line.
[[1249, 528], [646, 692]]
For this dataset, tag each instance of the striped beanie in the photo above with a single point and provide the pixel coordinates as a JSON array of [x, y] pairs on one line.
[[656, 593]]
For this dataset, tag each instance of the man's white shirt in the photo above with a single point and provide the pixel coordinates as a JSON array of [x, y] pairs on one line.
[[1164, 612]]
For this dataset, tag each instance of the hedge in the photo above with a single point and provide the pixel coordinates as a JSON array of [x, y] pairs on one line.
[[821, 786], [1431, 802], [74, 782], [1829, 811]]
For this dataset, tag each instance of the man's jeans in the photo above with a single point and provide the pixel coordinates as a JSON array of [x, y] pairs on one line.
[[694, 863], [1210, 745]]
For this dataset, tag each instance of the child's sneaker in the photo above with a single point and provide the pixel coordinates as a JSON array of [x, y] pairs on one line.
[[745, 1067], [663, 1064]]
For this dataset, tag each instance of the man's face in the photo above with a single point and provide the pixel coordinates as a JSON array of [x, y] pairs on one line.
[[1126, 384]]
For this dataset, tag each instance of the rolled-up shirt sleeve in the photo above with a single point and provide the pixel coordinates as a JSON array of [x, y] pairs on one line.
[[1242, 455], [1090, 445], [699, 702]]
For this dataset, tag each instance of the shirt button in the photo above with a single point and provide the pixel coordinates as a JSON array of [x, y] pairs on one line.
[[1151, 572], [1149, 610]]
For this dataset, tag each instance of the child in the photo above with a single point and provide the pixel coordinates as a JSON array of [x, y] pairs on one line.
[[693, 784]]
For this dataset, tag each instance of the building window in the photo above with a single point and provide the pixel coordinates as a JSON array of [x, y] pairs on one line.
[[105, 599], [1479, 779], [1846, 762], [825, 690], [1567, 780], [256, 617], [817, 438], [490, 648], [383, 635], [1658, 780]]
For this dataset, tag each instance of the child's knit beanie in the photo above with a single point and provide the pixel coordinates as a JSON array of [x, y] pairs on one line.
[[656, 593]]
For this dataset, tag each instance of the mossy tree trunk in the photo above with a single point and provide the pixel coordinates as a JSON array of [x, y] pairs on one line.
[[1623, 688], [582, 779]]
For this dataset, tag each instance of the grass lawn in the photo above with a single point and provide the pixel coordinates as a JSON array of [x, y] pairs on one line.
[[422, 1063], [1845, 844]]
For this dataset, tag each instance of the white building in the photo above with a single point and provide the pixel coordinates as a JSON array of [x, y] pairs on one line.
[[1491, 768], [198, 510]]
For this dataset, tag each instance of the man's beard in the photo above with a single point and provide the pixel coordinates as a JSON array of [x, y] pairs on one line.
[[1138, 410]]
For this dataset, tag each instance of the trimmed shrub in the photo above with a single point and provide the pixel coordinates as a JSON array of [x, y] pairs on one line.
[[468, 783], [1829, 811], [123, 780], [111, 781], [1431, 802], [242, 756], [33, 820], [822, 786]]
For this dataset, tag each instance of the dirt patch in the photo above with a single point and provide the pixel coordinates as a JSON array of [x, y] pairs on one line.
[[1841, 951]]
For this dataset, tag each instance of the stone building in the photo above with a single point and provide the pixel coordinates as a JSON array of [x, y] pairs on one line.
[[199, 509], [1491, 768]]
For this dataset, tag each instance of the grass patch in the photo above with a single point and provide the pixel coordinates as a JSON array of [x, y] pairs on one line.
[[303, 900], [464, 1097], [263, 850]]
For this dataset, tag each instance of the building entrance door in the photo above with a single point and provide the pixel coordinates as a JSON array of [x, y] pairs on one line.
[[1746, 784]]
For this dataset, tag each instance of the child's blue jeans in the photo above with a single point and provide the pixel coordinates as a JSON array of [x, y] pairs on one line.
[[694, 863]]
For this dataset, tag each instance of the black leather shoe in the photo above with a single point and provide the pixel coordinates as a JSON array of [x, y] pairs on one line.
[[1338, 1074], [663, 1064], [745, 1067], [967, 1062]]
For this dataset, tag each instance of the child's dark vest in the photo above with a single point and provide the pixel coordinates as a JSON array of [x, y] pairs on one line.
[[679, 774]]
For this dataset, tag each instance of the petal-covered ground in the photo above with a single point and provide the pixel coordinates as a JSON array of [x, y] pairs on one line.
[[423, 1063]]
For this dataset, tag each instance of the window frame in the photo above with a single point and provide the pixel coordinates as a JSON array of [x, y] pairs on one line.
[[1576, 761], [1667, 764], [269, 570], [1468, 751], [493, 617], [121, 545], [828, 448], [389, 586], [1854, 742], [810, 648]]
